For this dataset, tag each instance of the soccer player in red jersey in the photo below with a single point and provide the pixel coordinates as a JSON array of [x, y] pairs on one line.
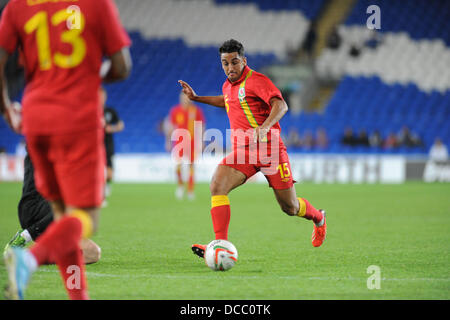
[[63, 44], [189, 120], [254, 105]]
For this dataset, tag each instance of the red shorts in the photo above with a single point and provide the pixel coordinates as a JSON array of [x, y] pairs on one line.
[[276, 169], [69, 167]]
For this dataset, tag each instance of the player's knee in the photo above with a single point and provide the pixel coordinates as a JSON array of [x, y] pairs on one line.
[[217, 188], [96, 253], [91, 251], [289, 208], [214, 189]]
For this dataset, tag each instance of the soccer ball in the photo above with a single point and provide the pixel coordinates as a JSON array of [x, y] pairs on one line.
[[220, 255]]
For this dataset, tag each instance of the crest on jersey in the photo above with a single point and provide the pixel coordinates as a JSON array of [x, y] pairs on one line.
[[179, 119], [241, 94]]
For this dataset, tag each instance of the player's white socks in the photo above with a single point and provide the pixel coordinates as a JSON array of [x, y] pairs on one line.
[[108, 189], [26, 235], [191, 196], [30, 261], [179, 192]]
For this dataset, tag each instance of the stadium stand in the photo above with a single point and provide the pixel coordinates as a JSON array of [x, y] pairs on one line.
[[309, 8], [146, 97], [397, 75], [421, 19], [201, 23], [175, 40], [400, 76], [369, 103]]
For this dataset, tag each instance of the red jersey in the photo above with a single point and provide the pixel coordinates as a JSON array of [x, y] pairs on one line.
[[183, 118], [247, 102], [63, 43]]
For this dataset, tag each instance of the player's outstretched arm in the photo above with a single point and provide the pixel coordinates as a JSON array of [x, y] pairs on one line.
[[114, 128], [216, 101]]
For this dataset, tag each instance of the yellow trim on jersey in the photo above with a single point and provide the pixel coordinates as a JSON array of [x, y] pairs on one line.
[[244, 105], [221, 200], [35, 2], [227, 106]]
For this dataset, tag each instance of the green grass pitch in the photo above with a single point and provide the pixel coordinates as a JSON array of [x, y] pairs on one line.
[[146, 235]]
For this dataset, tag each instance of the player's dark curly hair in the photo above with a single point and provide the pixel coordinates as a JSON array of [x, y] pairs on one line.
[[232, 45]]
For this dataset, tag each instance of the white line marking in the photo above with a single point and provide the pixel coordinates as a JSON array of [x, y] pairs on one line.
[[228, 276]]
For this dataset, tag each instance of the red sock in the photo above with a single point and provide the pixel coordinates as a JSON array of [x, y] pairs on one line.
[[179, 175], [71, 268], [308, 211], [39, 251], [220, 214], [191, 180], [60, 243]]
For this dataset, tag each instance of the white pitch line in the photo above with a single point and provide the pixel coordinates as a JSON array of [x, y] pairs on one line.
[[228, 276]]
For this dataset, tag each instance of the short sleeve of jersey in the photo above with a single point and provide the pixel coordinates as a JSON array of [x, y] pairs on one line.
[[113, 35], [264, 88], [8, 32]]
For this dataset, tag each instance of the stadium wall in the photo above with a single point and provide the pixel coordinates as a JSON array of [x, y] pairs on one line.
[[159, 168], [314, 168]]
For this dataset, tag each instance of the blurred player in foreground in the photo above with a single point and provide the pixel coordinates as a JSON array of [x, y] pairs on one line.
[[63, 45], [35, 215], [254, 106], [189, 118], [113, 124]]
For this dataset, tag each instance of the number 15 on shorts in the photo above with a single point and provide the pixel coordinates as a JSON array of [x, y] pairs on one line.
[[285, 172]]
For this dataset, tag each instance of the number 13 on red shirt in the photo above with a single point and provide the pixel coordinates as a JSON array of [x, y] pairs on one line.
[[39, 24]]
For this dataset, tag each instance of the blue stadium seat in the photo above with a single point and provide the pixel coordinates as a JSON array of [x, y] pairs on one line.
[[310, 9], [421, 19]]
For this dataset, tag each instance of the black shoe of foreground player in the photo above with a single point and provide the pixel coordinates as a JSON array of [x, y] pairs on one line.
[[199, 249]]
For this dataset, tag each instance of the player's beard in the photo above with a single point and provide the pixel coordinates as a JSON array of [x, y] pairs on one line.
[[236, 75]]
